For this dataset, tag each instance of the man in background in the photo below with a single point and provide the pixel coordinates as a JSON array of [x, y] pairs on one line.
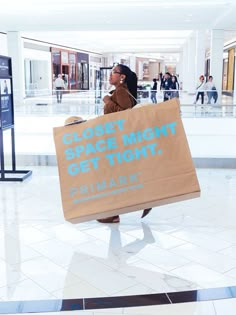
[[154, 91], [59, 87]]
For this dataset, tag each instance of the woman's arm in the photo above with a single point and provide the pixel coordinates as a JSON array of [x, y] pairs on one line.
[[119, 100]]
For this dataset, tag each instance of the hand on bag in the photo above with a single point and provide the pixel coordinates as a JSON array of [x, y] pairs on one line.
[[72, 120], [106, 98]]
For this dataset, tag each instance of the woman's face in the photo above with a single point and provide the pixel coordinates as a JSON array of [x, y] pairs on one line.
[[115, 76]]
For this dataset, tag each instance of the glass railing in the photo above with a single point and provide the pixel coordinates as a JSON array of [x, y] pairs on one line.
[[35, 118], [90, 103]]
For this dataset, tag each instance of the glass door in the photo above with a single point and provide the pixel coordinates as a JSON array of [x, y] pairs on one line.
[[83, 76], [104, 84], [65, 75]]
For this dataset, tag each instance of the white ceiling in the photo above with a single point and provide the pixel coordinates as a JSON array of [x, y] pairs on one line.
[[148, 27]]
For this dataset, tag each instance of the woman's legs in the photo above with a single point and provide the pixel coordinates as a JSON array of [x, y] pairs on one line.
[[153, 97], [202, 97], [145, 212], [209, 96], [197, 97], [114, 219]]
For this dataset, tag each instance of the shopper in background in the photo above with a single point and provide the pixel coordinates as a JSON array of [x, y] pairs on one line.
[[123, 97], [166, 83], [154, 91], [59, 85], [211, 90], [200, 89], [174, 87]]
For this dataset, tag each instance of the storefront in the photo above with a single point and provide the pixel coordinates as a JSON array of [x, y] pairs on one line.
[[74, 67], [228, 72], [83, 71]]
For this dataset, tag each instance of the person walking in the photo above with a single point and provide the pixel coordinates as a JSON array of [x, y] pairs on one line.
[[174, 87], [59, 86], [200, 89], [154, 91], [211, 90], [166, 83], [123, 97]]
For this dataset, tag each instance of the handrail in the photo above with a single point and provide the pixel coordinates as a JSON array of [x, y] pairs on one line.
[[90, 102]]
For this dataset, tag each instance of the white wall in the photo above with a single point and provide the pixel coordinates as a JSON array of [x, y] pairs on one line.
[[3, 45], [42, 68], [211, 138]]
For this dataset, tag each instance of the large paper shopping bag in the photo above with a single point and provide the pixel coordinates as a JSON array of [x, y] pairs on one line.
[[124, 161]]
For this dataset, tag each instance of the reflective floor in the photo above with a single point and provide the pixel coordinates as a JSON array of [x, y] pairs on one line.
[[185, 246], [162, 264]]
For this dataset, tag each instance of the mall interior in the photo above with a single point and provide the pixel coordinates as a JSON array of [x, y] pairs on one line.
[[180, 259]]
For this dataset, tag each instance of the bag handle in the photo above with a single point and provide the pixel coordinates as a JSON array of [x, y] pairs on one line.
[[132, 97], [200, 85]]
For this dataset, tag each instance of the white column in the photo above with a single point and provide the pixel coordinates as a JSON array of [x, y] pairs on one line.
[[234, 93], [162, 66], [15, 51], [179, 70], [117, 58], [140, 70], [108, 60], [3, 45], [191, 63], [216, 60], [200, 53], [185, 78], [179, 66], [132, 62]]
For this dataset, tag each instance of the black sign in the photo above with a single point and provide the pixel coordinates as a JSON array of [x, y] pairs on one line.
[[5, 70], [83, 58], [6, 103]]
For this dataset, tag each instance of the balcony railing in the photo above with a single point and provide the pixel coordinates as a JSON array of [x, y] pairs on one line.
[[90, 104]]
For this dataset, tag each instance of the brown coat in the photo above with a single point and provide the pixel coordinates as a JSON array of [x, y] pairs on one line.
[[119, 100]]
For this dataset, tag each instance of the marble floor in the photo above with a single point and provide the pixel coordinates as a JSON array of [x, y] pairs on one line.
[[180, 259], [181, 247]]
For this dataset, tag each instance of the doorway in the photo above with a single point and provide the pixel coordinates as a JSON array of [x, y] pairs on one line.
[[83, 76], [103, 81], [65, 75]]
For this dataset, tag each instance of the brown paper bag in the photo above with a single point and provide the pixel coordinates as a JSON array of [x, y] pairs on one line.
[[124, 161]]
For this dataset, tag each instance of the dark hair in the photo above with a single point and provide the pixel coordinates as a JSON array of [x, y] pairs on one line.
[[130, 79], [174, 76]]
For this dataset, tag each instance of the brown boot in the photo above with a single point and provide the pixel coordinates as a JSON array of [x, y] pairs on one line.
[[145, 212], [114, 219]]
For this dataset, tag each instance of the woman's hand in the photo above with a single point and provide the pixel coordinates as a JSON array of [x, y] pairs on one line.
[[106, 98]]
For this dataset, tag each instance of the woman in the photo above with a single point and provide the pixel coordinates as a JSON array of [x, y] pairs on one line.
[[174, 87], [125, 93], [154, 91], [200, 89], [123, 97], [211, 90]]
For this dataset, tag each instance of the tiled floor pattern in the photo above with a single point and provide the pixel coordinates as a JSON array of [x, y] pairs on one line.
[[184, 246]]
